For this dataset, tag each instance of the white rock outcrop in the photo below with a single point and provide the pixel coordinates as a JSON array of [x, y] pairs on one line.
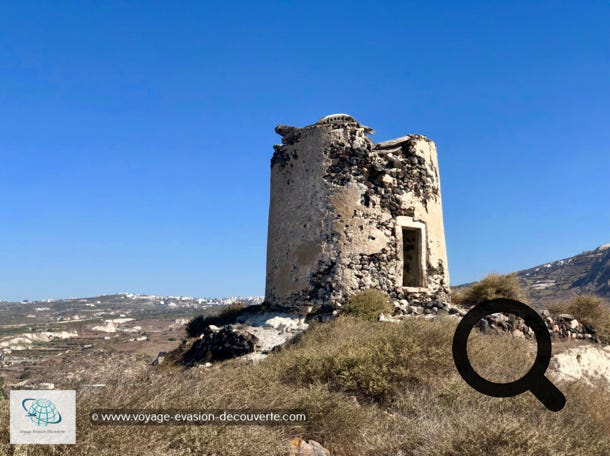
[[586, 362]]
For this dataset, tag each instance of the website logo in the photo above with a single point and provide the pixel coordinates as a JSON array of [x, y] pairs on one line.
[[46, 417], [41, 411]]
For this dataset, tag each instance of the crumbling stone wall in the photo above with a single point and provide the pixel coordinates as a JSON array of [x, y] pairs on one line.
[[560, 327], [339, 205]]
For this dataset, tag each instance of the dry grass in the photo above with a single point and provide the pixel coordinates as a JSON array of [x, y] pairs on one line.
[[5, 448], [501, 358], [369, 360], [368, 388], [491, 286]]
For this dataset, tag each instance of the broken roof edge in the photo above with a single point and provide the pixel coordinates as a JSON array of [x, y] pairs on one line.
[[331, 119], [396, 142], [347, 120]]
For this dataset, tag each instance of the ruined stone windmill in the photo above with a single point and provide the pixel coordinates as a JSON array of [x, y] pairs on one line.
[[347, 214]]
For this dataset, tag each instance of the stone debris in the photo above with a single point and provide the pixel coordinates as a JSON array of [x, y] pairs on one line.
[[299, 447], [435, 306], [252, 336], [225, 343], [159, 359], [560, 327]]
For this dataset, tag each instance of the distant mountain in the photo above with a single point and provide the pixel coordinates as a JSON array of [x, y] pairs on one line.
[[588, 272]]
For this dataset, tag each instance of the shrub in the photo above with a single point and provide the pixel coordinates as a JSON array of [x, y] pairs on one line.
[[491, 287], [590, 310], [227, 315], [369, 360], [368, 304]]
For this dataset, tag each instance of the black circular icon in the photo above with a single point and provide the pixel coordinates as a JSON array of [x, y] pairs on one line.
[[535, 380]]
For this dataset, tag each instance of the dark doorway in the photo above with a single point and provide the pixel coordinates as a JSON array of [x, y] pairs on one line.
[[412, 275]]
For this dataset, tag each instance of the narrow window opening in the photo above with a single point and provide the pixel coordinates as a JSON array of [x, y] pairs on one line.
[[411, 253]]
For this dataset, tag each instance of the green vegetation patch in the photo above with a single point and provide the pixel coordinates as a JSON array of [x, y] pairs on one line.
[[368, 305], [369, 360]]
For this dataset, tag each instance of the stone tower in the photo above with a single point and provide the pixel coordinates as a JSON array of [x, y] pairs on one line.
[[347, 214]]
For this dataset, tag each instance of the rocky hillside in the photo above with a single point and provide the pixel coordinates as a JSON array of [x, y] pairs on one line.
[[588, 272]]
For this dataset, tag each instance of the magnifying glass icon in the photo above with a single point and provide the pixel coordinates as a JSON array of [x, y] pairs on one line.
[[535, 380]]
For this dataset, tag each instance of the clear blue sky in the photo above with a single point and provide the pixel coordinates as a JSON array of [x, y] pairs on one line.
[[135, 137]]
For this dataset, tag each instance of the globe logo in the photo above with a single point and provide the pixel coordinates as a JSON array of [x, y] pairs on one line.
[[41, 411]]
